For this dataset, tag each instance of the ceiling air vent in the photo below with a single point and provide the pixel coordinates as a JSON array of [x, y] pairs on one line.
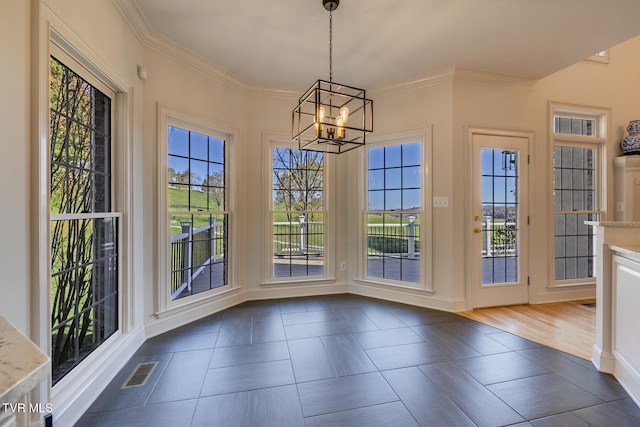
[[140, 374]]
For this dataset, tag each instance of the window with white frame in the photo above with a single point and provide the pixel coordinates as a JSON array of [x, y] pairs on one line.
[[298, 212], [577, 138], [196, 203], [84, 228], [394, 213]]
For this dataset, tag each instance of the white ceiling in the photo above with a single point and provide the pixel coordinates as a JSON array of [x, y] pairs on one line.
[[284, 44]]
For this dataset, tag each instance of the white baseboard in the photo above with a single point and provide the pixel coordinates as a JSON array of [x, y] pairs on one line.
[[75, 393], [604, 362], [407, 296], [273, 291], [182, 316], [628, 377], [565, 293]]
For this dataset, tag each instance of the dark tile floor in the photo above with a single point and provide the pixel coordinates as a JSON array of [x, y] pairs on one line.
[[353, 361]]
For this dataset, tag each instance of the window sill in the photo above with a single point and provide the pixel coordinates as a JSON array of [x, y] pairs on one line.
[[301, 281], [564, 285], [189, 303]]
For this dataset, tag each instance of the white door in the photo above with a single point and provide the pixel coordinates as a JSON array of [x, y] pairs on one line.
[[499, 220]]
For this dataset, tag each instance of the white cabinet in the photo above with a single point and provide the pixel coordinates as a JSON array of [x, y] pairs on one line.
[[627, 188], [626, 318]]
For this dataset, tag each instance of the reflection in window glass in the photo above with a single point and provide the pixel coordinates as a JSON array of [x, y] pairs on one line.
[[574, 200]]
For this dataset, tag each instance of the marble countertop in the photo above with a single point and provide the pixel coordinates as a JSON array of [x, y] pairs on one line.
[[630, 251], [22, 364], [613, 223]]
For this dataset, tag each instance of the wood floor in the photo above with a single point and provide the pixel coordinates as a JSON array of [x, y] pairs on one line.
[[565, 326]]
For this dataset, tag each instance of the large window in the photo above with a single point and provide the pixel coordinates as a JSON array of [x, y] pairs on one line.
[[297, 212], [84, 228], [197, 211], [577, 141], [394, 212], [574, 199]]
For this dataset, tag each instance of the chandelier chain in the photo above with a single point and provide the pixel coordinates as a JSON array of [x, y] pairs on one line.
[[330, 46]]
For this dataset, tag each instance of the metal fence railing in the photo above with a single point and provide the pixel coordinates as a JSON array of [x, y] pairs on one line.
[[499, 237], [303, 238], [293, 238], [394, 239], [192, 250]]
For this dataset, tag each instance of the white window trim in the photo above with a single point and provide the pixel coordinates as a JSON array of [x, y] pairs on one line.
[[58, 40], [423, 136], [599, 143], [168, 116], [269, 141]]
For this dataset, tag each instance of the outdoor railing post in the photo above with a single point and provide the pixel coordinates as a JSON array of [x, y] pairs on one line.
[[487, 235], [212, 238], [412, 237], [188, 248], [303, 243]]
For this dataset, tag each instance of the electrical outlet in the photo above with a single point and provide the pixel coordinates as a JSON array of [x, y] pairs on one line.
[[343, 265], [440, 202]]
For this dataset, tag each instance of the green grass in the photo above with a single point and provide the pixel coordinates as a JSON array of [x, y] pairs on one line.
[[179, 199], [389, 219]]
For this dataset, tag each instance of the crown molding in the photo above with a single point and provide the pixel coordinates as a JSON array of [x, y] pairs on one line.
[[436, 78], [164, 46], [136, 21], [459, 74], [494, 79]]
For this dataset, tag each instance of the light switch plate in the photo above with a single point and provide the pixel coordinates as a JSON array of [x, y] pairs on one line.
[[440, 202]]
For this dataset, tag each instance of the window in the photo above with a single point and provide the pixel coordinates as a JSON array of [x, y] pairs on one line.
[[197, 211], [578, 137], [84, 228], [574, 199], [574, 126], [297, 212], [394, 212]]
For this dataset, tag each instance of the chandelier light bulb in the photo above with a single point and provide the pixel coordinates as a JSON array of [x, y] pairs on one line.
[[344, 115], [340, 125]]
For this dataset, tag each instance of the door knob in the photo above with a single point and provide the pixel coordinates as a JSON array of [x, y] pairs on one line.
[[477, 230]]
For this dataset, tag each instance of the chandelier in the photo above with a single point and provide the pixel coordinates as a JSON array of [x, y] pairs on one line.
[[332, 117]]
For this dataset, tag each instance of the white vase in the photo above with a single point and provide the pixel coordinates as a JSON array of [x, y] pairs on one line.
[[631, 143]]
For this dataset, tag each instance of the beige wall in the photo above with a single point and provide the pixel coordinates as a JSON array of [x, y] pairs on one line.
[[14, 164]]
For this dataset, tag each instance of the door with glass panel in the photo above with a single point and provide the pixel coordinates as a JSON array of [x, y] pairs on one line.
[[499, 220]]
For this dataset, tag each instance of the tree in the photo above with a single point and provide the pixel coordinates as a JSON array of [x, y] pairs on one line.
[[298, 180], [214, 184], [80, 181]]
